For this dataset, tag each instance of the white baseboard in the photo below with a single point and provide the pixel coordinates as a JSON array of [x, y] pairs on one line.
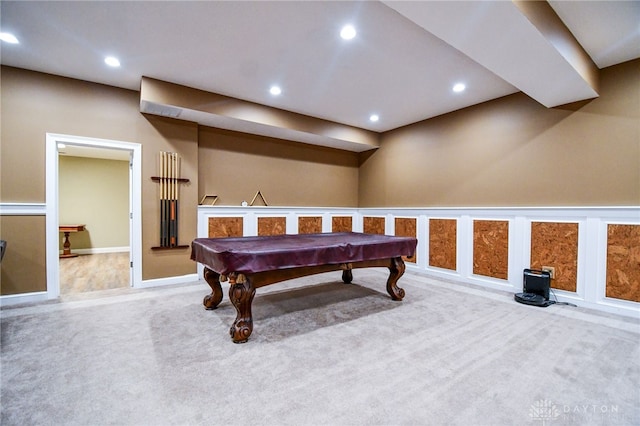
[[18, 299], [100, 250], [612, 306], [158, 282], [42, 296]]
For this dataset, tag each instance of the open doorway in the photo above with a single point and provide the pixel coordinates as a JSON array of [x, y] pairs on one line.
[[93, 214], [98, 264]]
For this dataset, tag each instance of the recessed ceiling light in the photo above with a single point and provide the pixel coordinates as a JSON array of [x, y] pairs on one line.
[[374, 117], [9, 38], [112, 61], [275, 90], [459, 87], [348, 32]]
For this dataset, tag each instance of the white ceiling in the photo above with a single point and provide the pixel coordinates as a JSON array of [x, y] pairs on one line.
[[608, 30], [395, 67]]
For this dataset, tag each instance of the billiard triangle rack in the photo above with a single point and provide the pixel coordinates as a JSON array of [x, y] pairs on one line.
[[259, 193], [169, 180]]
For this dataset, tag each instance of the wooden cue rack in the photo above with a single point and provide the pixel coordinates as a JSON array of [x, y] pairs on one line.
[[169, 180]]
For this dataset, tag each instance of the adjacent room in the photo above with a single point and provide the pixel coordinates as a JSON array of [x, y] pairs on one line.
[[346, 212]]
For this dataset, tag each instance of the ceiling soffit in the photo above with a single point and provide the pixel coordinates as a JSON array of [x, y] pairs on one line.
[[210, 109], [525, 43]]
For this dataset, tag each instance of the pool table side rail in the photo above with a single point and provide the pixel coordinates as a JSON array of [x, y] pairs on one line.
[[327, 252]]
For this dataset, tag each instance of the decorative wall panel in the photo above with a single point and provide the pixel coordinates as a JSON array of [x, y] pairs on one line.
[[623, 262], [25, 253], [341, 224], [491, 248], [373, 225], [309, 224], [407, 227], [556, 244], [220, 227], [442, 243], [272, 225]]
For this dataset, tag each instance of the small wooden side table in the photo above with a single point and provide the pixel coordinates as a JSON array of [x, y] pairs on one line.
[[67, 229]]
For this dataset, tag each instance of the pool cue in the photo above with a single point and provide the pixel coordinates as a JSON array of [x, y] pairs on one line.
[[176, 197], [166, 201], [163, 187], [172, 202], [169, 188], [161, 192]]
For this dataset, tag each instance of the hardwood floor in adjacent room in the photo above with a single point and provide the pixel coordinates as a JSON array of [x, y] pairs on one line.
[[93, 272]]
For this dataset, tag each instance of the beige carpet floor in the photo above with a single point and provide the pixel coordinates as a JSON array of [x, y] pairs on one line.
[[322, 353]]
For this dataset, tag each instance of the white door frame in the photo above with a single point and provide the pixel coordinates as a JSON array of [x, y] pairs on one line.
[[135, 194]]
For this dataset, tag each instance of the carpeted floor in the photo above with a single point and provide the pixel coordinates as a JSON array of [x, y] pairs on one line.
[[322, 353]]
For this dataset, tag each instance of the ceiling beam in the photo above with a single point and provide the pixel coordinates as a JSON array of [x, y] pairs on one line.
[[523, 42]]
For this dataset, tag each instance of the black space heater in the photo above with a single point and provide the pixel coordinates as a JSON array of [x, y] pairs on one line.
[[535, 287]]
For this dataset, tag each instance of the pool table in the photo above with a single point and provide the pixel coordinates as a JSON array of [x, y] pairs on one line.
[[249, 263]]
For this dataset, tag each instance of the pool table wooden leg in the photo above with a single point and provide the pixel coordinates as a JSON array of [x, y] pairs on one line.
[[241, 292], [396, 269], [211, 301]]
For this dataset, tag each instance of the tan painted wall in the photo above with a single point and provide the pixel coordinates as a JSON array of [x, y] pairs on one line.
[[94, 192], [23, 268], [515, 152], [234, 166], [508, 152], [173, 136], [34, 104]]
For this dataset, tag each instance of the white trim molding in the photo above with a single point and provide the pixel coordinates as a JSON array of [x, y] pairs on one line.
[[160, 282], [22, 298], [23, 209], [52, 231]]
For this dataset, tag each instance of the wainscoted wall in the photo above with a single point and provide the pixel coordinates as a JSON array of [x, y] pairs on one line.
[[222, 221], [595, 250]]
